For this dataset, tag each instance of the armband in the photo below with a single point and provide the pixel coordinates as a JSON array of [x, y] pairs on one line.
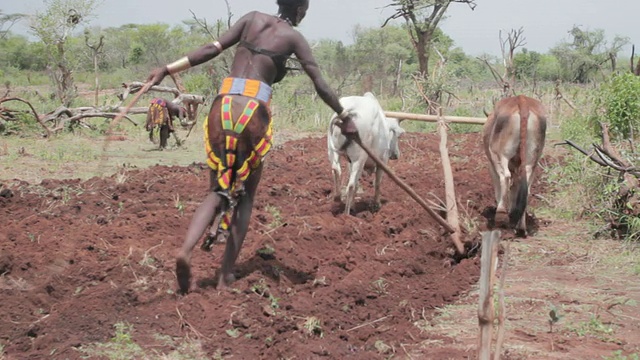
[[180, 65], [218, 46]]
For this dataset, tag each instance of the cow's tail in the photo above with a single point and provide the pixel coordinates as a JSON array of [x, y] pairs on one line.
[[520, 202]]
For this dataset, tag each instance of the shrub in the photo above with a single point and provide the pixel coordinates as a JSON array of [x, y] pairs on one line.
[[618, 103]]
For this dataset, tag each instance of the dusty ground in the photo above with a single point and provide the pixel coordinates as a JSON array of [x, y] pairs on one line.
[[79, 257]]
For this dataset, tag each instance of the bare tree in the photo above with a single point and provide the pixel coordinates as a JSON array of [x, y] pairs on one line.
[[508, 46], [96, 51], [423, 17], [53, 27]]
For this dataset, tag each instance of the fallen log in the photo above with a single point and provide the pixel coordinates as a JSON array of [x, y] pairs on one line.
[[136, 86], [434, 118]]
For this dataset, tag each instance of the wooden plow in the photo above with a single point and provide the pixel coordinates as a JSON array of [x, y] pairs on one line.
[[451, 224]]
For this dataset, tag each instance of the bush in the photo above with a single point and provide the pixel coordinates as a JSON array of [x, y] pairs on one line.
[[618, 103]]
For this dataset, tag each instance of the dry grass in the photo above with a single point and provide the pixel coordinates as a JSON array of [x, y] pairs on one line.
[[590, 283]]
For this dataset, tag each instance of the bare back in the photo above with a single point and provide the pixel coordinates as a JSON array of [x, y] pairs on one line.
[[265, 32]]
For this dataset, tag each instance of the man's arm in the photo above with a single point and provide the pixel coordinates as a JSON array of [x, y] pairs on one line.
[[205, 52], [303, 53], [226, 40]]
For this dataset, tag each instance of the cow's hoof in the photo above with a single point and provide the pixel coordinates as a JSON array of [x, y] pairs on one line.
[[521, 233], [501, 219]]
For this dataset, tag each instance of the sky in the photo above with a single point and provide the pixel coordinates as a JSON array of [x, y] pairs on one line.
[[545, 22]]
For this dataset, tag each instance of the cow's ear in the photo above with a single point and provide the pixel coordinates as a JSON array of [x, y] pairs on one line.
[[399, 131]]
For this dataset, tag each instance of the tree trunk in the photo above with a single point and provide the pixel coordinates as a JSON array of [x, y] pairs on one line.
[[95, 71], [422, 48]]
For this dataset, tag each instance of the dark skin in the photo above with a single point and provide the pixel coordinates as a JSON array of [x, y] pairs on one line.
[[174, 110], [277, 35]]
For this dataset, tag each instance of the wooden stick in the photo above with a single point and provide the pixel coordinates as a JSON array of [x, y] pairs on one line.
[[122, 114], [434, 118], [501, 306], [449, 187], [404, 186], [490, 241], [368, 323], [124, 111]]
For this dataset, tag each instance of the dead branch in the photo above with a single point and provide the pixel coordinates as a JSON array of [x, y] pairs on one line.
[[498, 78], [606, 159], [508, 46], [203, 24], [609, 149], [559, 96], [583, 151], [136, 86], [433, 106], [607, 155], [35, 113]]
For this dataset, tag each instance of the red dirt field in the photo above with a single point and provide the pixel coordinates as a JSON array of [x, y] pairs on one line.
[[80, 256]]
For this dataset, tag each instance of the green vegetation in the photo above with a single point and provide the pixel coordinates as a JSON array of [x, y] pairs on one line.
[[618, 355], [618, 104], [122, 346]]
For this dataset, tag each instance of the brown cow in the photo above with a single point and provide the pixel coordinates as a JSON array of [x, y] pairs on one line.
[[513, 139]]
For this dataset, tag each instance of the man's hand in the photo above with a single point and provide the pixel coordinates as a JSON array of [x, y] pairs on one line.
[[157, 75], [348, 127]]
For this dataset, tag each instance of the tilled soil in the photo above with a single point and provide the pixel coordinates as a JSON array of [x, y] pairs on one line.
[[78, 257]]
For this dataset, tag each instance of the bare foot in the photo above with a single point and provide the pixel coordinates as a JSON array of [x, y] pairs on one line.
[[183, 273]]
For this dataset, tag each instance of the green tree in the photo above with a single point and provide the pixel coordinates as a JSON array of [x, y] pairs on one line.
[[393, 53], [16, 51], [6, 22], [588, 51], [422, 18], [53, 27], [618, 103]]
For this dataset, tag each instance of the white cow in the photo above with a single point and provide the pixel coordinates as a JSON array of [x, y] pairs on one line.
[[376, 131]]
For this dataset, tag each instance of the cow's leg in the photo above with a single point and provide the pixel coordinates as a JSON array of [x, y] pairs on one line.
[[354, 176], [522, 223], [239, 227], [505, 180], [495, 179], [201, 219], [337, 173], [376, 185]]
